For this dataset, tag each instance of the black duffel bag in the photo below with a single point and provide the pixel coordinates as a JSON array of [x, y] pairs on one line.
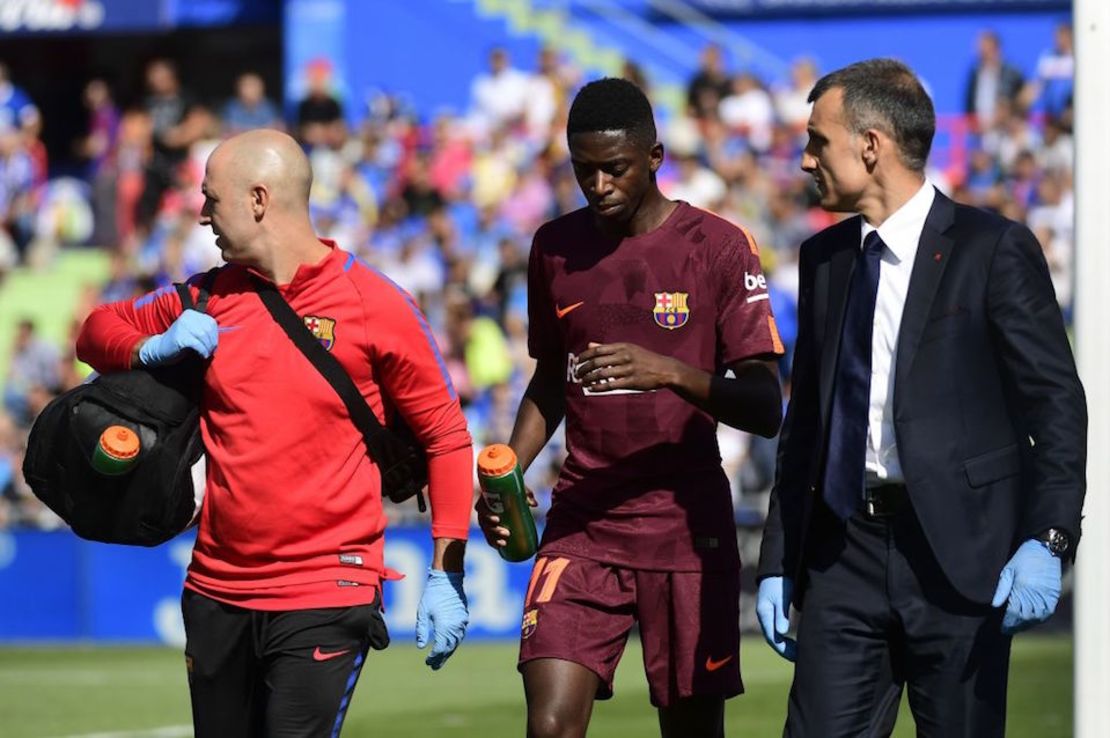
[[160, 494]]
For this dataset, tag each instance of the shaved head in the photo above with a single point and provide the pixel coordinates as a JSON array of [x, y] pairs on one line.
[[256, 188], [267, 158]]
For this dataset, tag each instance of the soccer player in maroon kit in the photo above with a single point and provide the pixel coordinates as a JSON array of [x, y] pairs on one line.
[[282, 597], [637, 306]]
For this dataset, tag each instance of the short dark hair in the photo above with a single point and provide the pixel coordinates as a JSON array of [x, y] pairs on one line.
[[886, 95], [612, 104], [991, 35]]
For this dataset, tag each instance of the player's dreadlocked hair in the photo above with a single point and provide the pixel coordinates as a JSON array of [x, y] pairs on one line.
[[612, 104]]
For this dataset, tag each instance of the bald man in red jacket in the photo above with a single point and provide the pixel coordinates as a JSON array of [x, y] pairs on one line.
[[283, 595]]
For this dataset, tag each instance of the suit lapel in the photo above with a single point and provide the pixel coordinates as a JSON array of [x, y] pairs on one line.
[[933, 252], [832, 282]]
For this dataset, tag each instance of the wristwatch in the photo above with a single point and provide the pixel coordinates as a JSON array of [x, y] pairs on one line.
[[1057, 541]]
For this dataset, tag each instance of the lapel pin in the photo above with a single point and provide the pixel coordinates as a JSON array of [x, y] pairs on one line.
[[936, 256]]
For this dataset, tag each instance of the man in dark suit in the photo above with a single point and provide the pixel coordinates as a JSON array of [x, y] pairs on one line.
[[931, 465], [991, 81]]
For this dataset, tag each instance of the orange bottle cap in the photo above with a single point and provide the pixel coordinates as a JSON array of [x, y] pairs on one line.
[[496, 460], [119, 442]]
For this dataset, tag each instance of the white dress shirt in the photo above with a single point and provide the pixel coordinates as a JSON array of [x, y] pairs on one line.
[[901, 233]]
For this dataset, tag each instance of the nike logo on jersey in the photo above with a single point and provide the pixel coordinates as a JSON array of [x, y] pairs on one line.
[[562, 312], [319, 655], [228, 328], [711, 665]]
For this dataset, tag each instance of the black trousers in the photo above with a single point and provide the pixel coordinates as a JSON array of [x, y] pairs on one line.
[[255, 674], [879, 615]]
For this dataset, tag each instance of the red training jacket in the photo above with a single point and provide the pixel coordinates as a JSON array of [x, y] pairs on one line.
[[292, 516]]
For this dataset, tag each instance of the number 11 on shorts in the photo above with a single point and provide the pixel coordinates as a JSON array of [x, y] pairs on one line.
[[549, 570]]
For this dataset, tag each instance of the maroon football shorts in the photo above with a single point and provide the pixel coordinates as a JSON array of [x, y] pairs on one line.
[[582, 611]]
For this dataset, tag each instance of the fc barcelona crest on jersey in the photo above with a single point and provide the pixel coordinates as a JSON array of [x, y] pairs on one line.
[[528, 624], [322, 328], [671, 310]]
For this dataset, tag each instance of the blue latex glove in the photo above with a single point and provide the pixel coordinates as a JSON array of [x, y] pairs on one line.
[[1029, 587], [191, 330], [772, 607], [442, 616]]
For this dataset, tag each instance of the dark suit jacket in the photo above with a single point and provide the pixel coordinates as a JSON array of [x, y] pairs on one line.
[[989, 415], [1010, 83]]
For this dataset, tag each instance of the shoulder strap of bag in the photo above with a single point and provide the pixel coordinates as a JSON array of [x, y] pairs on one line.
[[204, 289], [364, 419]]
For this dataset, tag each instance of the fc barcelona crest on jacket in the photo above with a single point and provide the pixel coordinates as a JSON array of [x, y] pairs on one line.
[[322, 328], [671, 310]]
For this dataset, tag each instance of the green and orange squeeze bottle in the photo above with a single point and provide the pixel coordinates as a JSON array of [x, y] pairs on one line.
[[502, 484], [116, 451]]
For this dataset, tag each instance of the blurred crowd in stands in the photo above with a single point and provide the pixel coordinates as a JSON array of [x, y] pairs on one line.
[[446, 204]]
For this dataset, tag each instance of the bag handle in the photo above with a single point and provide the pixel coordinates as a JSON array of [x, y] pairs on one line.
[[204, 290]]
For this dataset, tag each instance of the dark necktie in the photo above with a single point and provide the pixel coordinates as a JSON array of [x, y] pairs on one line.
[[844, 465]]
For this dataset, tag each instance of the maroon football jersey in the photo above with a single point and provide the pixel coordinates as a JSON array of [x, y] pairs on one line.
[[642, 485]]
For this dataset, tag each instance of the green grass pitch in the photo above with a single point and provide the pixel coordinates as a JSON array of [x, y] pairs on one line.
[[128, 692]]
